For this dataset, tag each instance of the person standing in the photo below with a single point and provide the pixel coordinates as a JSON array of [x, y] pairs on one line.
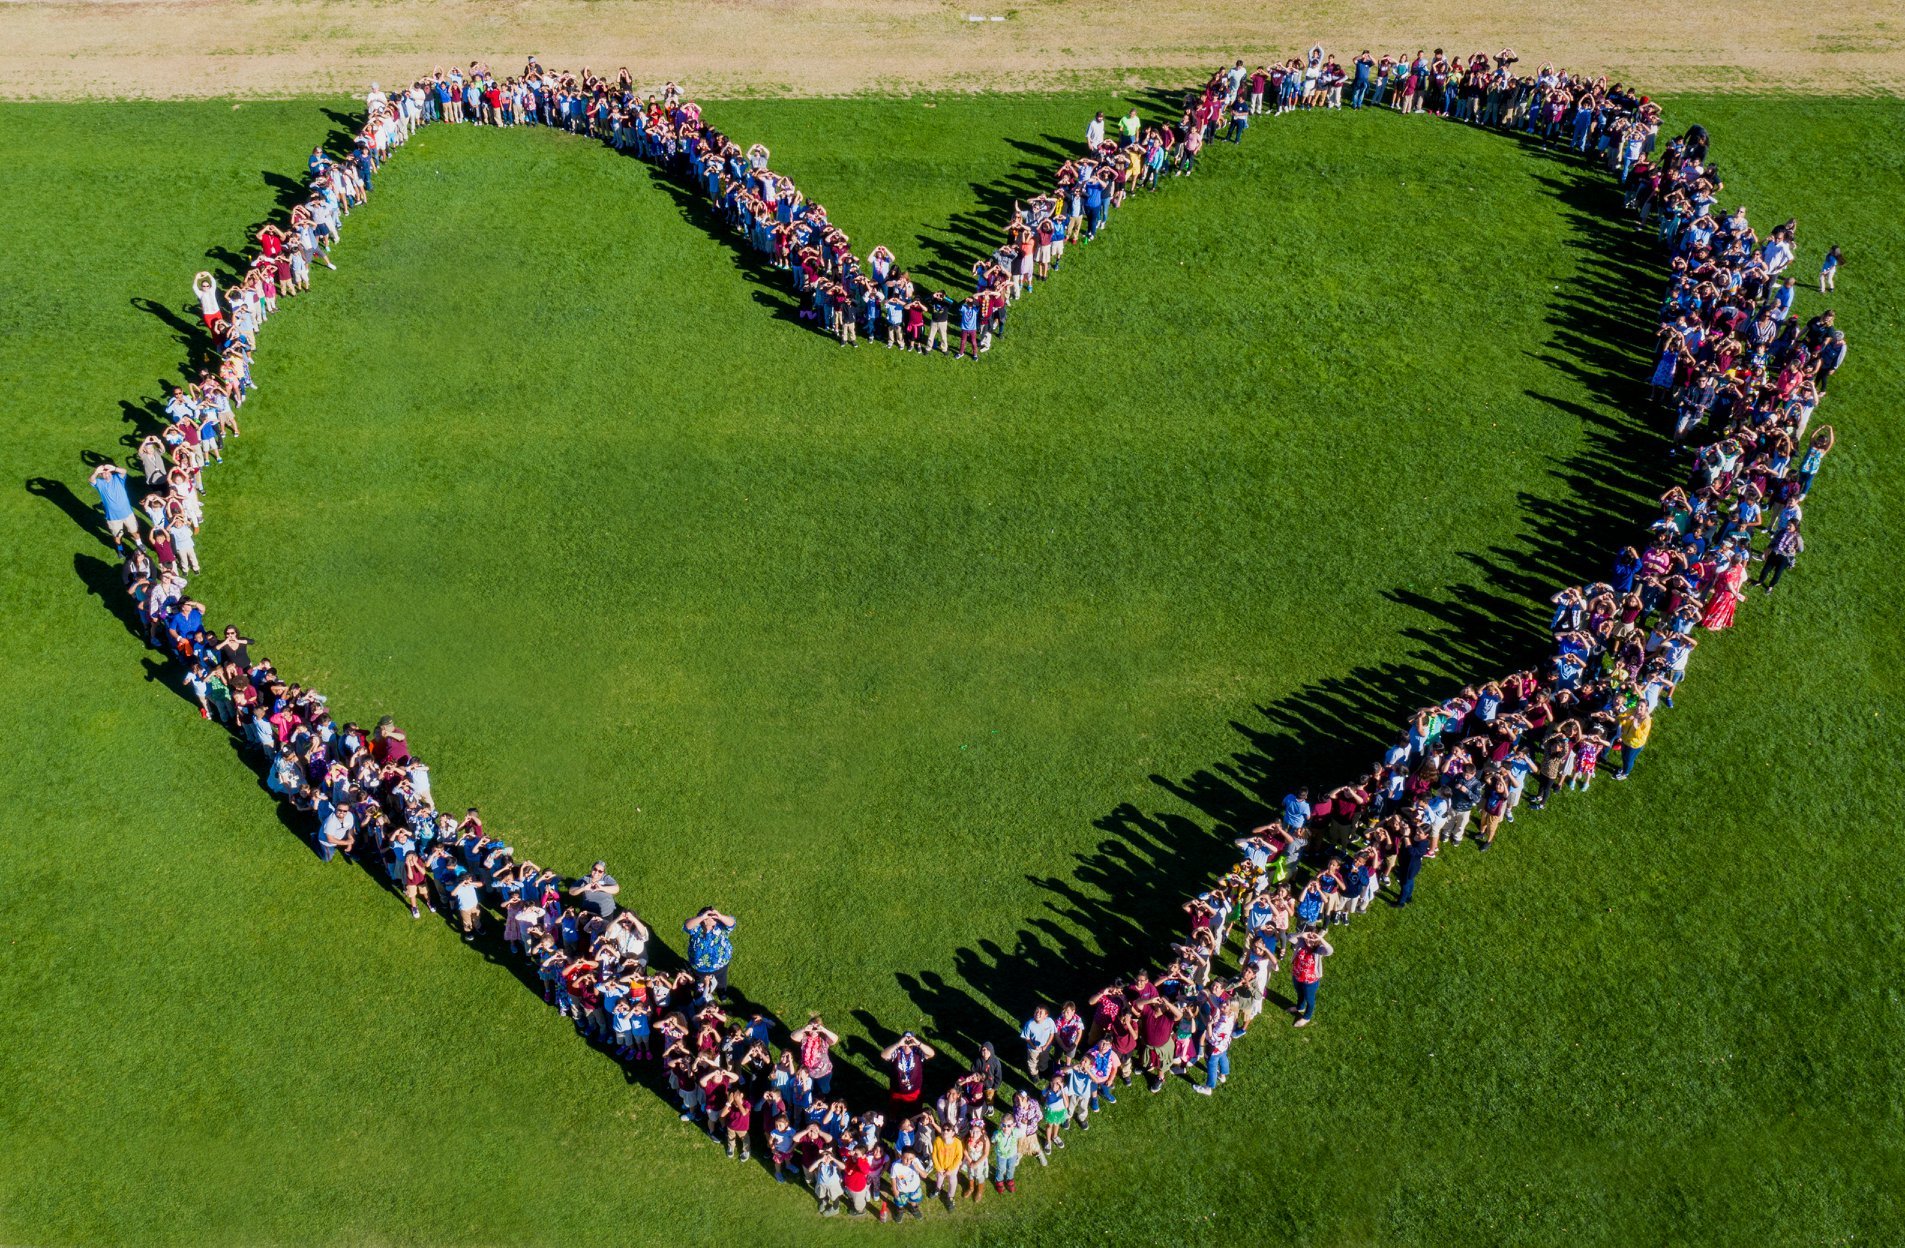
[[1781, 556], [1157, 1021], [1637, 724], [1306, 971], [597, 891], [908, 1182], [1095, 132], [710, 944], [815, 1044], [949, 1154], [109, 481], [1410, 865], [1219, 1029], [1038, 1033], [907, 1058]]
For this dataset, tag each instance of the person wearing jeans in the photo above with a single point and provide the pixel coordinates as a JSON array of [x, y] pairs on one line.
[[1365, 64], [1636, 725], [1306, 971], [1218, 1033]]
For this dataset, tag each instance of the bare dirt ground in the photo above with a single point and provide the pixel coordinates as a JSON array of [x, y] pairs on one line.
[[253, 48]]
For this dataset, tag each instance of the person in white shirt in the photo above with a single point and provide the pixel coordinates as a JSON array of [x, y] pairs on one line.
[[1095, 132]]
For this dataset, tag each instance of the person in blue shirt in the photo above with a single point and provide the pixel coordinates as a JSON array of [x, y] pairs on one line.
[[710, 947], [1296, 810], [1364, 63], [1094, 194], [1078, 1093], [968, 330], [109, 480], [1038, 1033]]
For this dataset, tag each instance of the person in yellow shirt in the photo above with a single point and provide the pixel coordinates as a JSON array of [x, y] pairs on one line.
[[1636, 724], [948, 1153]]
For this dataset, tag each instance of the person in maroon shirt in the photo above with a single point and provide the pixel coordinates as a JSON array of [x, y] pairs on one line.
[[907, 1057], [1157, 1024]]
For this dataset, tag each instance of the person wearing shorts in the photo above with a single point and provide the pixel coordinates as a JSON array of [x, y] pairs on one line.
[[908, 1183], [109, 481]]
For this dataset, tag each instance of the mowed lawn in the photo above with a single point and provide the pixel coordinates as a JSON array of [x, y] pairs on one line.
[[950, 680]]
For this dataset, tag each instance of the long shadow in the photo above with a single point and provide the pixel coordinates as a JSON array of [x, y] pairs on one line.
[[102, 579], [1105, 918]]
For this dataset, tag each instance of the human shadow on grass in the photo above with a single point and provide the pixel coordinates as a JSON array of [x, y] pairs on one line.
[[1106, 918], [1110, 917], [103, 580]]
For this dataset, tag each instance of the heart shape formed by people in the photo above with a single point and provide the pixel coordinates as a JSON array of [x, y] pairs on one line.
[[1462, 767]]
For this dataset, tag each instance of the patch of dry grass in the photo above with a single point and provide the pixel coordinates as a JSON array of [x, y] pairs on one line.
[[254, 48]]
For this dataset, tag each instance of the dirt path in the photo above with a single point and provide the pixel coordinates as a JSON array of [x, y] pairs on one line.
[[172, 48]]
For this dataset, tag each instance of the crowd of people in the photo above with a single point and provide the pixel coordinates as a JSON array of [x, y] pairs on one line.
[[1739, 376]]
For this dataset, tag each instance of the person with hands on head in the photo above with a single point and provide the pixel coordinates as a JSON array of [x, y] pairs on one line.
[[1306, 971], [815, 1043], [710, 944], [907, 1058], [597, 890], [109, 481]]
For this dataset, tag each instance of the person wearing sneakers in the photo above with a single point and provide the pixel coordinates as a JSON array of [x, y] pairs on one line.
[[1306, 971], [109, 480]]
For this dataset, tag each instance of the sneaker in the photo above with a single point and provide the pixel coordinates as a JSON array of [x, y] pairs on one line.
[[1203, 1090], [1303, 1022], [1012, 1185]]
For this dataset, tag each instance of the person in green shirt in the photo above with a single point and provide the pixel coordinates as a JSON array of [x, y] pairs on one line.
[[1006, 1141]]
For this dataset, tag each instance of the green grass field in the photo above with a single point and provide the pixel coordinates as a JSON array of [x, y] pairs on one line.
[[943, 678]]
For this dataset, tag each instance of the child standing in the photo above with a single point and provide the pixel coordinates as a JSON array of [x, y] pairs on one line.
[[1829, 270]]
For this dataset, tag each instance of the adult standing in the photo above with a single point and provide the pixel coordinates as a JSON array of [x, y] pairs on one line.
[[711, 944], [1783, 554], [815, 1045], [597, 891], [907, 1058], [1306, 971], [1411, 865], [109, 481]]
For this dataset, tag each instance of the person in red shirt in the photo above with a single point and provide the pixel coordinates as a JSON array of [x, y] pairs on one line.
[[1306, 970], [856, 1175]]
